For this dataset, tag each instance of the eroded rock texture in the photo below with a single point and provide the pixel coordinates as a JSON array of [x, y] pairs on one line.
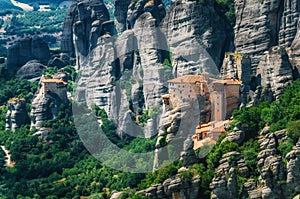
[[274, 73], [225, 184], [174, 188], [16, 115], [293, 168], [256, 27], [288, 22], [46, 102], [27, 49], [32, 70], [84, 23], [261, 26], [294, 53], [197, 37], [120, 14]]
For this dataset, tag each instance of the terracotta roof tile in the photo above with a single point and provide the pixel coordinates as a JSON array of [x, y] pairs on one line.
[[228, 81], [50, 80], [188, 79]]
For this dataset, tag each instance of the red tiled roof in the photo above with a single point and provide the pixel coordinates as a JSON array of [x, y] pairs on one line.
[[188, 79], [50, 80]]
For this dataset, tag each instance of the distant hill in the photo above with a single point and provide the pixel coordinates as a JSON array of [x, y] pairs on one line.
[[34, 2], [6, 4]]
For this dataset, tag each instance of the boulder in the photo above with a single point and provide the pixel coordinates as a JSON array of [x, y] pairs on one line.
[[31, 71]]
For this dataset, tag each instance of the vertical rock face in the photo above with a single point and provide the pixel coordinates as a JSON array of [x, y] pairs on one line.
[[97, 82], [152, 48], [25, 50], [288, 23], [67, 45], [114, 62], [196, 36], [17, 114], [84, 23], [256, 27], [46, 103], [120, 13], [294, 52], [274, 71], [293, 168], [136, 8], [263, 25], [238, 66]]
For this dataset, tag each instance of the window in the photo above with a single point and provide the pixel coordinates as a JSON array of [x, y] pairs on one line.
[[103, 99]]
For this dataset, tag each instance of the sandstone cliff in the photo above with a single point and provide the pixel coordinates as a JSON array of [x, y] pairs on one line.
[[197, 37], [27, 49], [47, 101], [294, 53], [17, 114], [262, 25], [84, 23]]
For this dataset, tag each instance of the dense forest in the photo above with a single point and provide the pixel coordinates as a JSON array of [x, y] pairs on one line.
[[35, 22]]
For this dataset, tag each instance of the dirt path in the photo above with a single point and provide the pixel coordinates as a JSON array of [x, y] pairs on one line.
[[24, 6], [8, 162]]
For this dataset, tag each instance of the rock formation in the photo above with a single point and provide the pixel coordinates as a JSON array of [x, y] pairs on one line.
[[274, 71], [256, 27], [16, 115], [137, 8], [293, 168], [27, 49], [270, 166], [46, 103], [196, 37], [85, 22], [32, 70], [288, 22], [174, 188], [238, 66], [224, 185], [294, 53], [60, 61], [120, 14], [175, 130], [115, 67], [275, 179], [263, 25]]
